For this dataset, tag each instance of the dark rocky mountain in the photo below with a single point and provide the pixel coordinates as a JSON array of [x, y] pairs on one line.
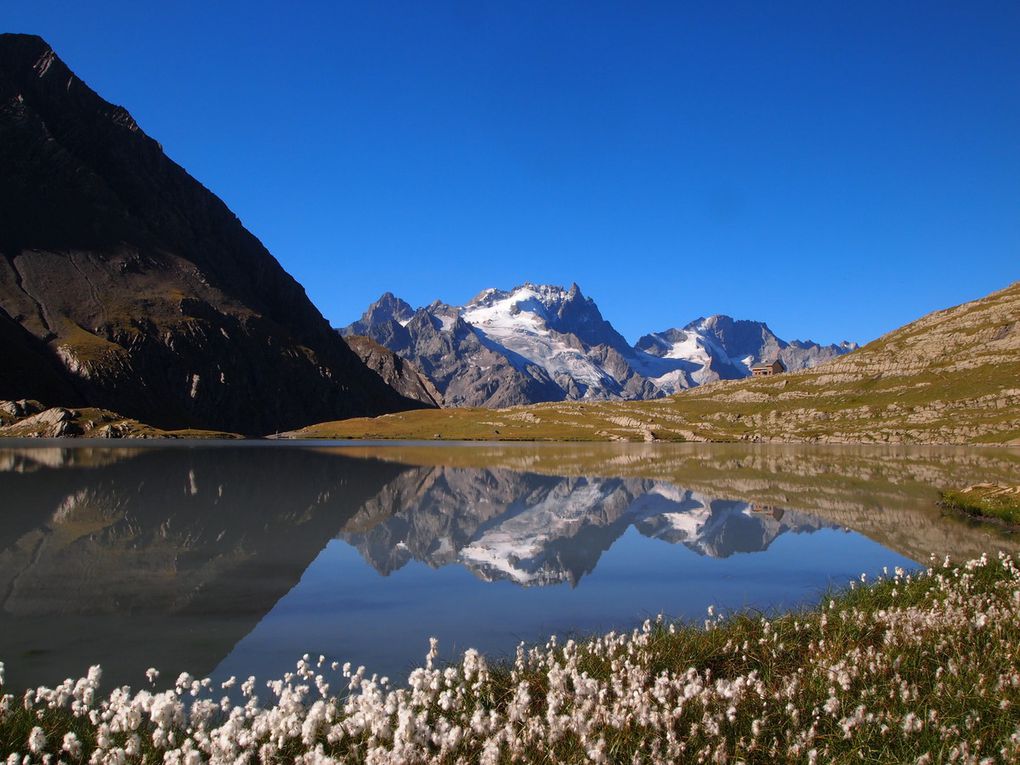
[[463, 364], [125, 284], [384, 322], [544, 343]]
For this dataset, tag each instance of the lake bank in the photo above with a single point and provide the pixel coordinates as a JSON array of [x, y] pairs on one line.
[[244, 554], [852, 678]]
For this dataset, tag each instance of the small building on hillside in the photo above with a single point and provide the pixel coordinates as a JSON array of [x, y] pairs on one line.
[[769, 369]]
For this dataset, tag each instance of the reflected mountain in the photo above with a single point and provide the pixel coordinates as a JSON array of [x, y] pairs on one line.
[[540, 530], [168, 557], [887, 493]]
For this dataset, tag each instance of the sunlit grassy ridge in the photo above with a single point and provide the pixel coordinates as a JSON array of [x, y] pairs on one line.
[[950, 377], [914, 668]]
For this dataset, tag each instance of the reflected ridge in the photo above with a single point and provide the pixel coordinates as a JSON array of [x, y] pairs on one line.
[[540, 530], [137, 556]]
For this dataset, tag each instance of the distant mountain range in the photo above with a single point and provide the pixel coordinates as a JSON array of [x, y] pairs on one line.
[[948, 378], [539, 343]]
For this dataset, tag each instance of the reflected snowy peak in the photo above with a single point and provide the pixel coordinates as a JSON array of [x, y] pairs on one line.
[[541, 530]]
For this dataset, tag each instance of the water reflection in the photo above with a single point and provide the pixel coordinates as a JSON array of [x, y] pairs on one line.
[[235, 560], [133, 558], [541, 530]]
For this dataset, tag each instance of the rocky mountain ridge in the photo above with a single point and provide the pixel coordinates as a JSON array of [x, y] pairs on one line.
[[539, 343], [126, 285], [950, 377], [397, 372]]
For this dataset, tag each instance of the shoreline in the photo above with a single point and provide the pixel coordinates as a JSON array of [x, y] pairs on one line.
[[848, 678]]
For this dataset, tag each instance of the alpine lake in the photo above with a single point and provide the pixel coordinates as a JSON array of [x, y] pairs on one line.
[[235, 559]]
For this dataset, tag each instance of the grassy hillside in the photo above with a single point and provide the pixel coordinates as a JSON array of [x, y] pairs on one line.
[[951, 377]]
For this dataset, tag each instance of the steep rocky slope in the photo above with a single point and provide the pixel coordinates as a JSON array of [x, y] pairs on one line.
[[539, 342], [400, 374], [950, 377], [125, 284]]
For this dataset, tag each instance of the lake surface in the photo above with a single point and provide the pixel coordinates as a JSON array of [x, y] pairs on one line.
[[227, 559]]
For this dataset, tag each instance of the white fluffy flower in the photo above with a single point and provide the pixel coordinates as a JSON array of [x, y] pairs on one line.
[[71, 745], [36, 740]]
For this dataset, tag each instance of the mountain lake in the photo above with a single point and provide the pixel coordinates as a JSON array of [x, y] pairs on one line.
[[235, 558]]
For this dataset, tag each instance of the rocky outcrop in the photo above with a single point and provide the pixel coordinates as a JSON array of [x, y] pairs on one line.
[[127, 285], [400, 374], [28, 418]]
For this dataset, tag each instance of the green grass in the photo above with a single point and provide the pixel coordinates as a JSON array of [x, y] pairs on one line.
[[985, 501], [912, 666]]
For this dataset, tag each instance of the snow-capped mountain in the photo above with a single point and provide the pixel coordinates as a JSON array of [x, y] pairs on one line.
[[563, 332], [722, 348], [546, 343]]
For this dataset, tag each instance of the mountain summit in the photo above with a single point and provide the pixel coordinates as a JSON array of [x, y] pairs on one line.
[[723, 348], [540, 342], [126, 284]]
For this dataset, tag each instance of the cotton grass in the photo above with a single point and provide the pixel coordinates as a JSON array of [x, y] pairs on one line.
[[916, 668]]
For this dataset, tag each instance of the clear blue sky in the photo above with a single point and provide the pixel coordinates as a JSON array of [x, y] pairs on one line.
[[834, 168]]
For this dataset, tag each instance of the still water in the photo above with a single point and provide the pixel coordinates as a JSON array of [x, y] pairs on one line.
[[232, 559]]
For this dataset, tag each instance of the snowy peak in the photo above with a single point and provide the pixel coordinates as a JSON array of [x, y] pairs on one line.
[[722, 348], [531, 308], [553, 329], [739, 338], [541, 342], [528, 305], [537, 304]]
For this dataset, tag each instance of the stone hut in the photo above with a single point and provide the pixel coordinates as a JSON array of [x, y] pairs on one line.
[[769, 369]]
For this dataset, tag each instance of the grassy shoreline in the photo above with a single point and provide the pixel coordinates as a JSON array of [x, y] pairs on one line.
[[922, 667], [990, 502]]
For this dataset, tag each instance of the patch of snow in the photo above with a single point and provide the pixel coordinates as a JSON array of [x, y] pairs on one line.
[[517, 320]]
